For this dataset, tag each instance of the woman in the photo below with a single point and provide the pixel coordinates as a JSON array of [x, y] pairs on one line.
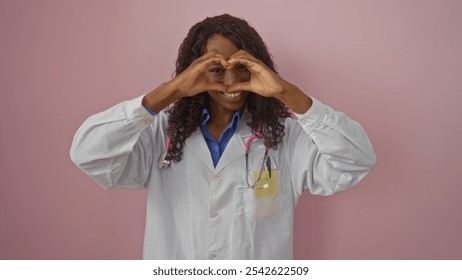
[[221, 159]]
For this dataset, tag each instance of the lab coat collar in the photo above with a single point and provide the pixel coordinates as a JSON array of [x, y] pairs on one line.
[[196, 143], [236, 145], [244, 130]]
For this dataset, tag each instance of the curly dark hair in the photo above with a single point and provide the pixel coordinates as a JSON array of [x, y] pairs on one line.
[[185, 114]]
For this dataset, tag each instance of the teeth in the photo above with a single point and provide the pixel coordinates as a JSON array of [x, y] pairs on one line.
[[232, 95]]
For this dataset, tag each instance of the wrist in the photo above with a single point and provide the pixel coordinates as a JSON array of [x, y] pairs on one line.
[[294, 98], [171, 87], [161, 97], [285, 92]]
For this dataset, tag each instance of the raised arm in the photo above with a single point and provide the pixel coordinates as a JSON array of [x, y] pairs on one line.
[[327, 151], [117, 147]]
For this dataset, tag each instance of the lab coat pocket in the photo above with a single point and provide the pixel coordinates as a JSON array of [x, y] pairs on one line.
[[264, 200]]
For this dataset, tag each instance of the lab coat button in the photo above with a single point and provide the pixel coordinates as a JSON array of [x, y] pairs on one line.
[[212, 214], [212, 256], [216, 177]]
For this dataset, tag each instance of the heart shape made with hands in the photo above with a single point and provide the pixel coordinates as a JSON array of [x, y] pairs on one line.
[[240, 57], [261, 79]]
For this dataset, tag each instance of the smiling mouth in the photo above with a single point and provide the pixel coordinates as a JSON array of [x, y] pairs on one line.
[[231, 95]]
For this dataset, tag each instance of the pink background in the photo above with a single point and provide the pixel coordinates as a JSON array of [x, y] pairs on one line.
[[393, 65]]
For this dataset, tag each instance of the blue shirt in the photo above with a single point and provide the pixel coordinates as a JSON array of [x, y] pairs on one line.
[[216, 147]]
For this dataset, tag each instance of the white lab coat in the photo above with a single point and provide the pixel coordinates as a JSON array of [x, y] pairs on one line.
[[196, 211]]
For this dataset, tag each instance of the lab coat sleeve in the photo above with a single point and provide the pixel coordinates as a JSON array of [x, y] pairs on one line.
[[115, 147], [328, 152]]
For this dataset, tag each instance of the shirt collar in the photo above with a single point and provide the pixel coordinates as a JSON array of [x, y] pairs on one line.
[[206, 117]]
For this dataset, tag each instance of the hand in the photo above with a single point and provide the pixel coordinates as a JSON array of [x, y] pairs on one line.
[[192, 81], [263, 80]]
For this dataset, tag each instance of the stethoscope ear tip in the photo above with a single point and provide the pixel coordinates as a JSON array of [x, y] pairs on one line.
[[265, 186]]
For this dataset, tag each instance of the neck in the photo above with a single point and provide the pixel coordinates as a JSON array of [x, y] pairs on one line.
[[220, 117]]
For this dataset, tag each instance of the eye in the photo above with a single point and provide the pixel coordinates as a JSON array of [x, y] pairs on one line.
[[216, 70]]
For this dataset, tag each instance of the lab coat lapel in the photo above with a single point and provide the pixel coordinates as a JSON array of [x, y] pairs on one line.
[[197, 145], [235, 148]]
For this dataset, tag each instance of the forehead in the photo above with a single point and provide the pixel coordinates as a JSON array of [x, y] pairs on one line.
[[222, 45]]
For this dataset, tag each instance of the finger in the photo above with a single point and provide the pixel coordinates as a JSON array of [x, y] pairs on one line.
[[203, 65], [213, 53], [214, 56], [215, 87], [244, 86], [250, 65], [217, 60], [244, 54], [243, 57]]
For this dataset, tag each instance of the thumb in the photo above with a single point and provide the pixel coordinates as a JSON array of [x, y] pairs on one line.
[[215, 87], [245, 86]]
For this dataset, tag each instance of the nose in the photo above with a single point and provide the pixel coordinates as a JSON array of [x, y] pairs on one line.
[[231, 77]]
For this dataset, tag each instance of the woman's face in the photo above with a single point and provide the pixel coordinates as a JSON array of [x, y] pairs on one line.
[[228, 101]]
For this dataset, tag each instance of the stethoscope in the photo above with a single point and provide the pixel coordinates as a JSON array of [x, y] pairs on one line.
[[164, 163], [266, 163], [266, 159]]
